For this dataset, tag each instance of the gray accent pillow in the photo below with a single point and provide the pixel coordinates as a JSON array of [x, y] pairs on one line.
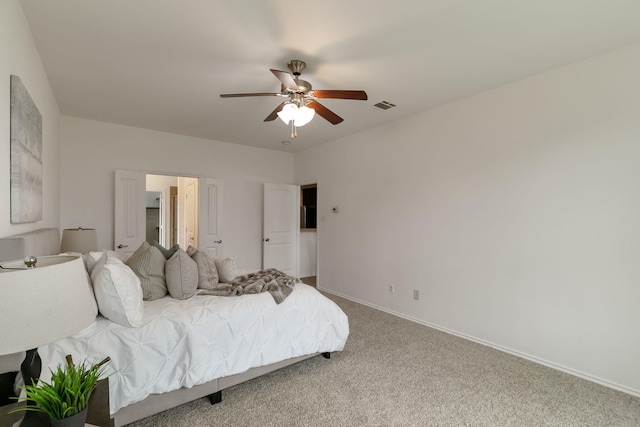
[[147, 262], [207, 273], [166, 252], [181, 274]]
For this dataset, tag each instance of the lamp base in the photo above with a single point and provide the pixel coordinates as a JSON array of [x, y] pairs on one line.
[[30, 369], [7, 395]]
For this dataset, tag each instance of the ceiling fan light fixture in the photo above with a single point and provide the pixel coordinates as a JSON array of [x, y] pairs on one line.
[[304, 116], [289, 112], [299, 94], [300, 116]]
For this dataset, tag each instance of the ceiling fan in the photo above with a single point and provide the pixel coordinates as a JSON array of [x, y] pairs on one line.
[[301, 102]]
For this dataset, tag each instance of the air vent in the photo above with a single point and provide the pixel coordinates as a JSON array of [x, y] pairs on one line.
[[384, 105]]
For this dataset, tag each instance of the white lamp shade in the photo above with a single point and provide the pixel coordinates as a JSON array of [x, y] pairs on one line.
[[288, 113], [304, 116], [81, 240], [44, 304]]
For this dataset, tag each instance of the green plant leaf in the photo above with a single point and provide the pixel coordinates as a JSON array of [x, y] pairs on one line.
[[67, 393]]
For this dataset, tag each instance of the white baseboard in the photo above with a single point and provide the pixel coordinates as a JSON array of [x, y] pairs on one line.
[[535, 359]]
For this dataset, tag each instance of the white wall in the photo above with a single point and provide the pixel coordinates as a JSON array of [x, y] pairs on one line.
[[91, 151], [515, 213], [18, 56]]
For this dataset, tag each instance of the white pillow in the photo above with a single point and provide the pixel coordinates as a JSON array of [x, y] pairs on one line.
[[227, 269], [92, 258], [118, 292]]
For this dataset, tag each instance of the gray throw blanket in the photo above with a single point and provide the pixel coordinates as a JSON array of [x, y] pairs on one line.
[[277, 283]]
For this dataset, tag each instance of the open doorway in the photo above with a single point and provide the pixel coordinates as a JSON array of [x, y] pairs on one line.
[[205, 204], [153, 204], [172, 205], [308, 233]]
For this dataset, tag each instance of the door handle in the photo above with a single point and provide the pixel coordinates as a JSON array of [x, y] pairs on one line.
[[267, 239], [120, 246], [217, 241]]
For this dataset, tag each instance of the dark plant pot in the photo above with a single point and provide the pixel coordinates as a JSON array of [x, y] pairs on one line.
[[76, 420]]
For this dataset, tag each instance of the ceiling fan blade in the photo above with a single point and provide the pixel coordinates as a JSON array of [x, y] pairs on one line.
[[341, 94], [286, 79], [274, 113], [327, 114], [239, 95]]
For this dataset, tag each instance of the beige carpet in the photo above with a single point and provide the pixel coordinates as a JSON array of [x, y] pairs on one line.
[[394, 372]]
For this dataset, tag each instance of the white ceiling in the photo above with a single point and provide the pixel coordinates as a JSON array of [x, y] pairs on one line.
[[161, 64]]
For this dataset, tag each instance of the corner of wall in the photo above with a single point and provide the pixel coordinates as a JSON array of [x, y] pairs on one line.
[[19, 56]]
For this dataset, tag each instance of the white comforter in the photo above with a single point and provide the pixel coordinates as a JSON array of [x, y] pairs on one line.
[[190, 342]]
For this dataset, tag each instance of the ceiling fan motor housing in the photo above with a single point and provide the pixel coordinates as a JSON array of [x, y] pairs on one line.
[[304, 87]]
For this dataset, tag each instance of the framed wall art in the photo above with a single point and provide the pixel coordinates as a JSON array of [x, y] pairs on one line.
[[26, 156]]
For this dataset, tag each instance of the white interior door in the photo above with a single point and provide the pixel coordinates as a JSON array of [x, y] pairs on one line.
[[210, 198], [191, 212], [281, 228], [161, 219], [130, 212]]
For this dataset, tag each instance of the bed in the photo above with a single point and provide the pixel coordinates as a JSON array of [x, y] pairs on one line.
[[188, 349]]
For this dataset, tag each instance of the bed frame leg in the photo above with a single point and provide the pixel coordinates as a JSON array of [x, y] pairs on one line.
[[326, 355], [215, 397]]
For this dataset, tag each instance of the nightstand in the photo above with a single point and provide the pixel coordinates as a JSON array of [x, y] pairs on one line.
[[99, 414]]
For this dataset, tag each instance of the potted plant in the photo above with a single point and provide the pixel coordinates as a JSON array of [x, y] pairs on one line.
[[65, 397]]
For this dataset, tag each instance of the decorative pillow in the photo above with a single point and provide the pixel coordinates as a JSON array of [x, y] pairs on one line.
[[97, 266], [181, 274], [207, 273], [147, 262], [166, 252], [143, 247], [118, 292], [91, 258], [227, 269]]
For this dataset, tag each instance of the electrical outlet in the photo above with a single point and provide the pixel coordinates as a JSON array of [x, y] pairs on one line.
[[392, 288], [416, 294]]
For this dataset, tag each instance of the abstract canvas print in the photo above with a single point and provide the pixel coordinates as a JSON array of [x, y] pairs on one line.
[[26, 156]]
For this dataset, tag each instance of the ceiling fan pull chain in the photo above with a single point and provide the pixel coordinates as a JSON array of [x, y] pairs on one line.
[[294, 133]]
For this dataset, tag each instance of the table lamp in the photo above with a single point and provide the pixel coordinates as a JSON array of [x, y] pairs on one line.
[[81, 240], [42, 301]]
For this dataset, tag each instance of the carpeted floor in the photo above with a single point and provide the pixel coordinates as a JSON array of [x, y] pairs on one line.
[[394, 372]]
